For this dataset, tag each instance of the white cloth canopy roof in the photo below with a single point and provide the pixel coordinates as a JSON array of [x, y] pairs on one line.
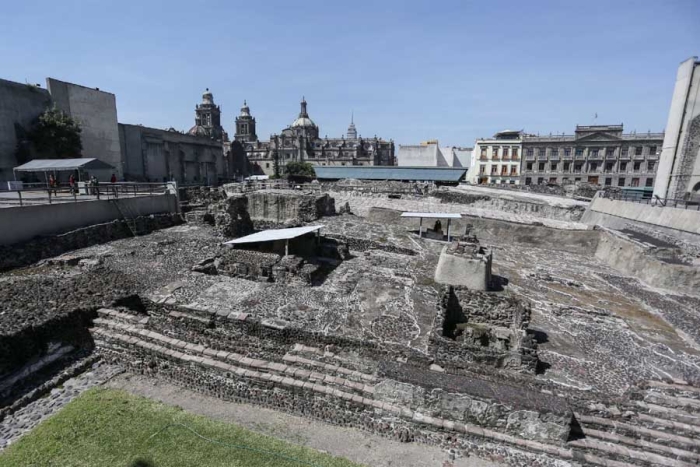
[[275, 234], [432, 215], [51, 165]]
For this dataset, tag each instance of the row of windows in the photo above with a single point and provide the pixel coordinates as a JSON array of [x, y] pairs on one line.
[[592, 166], [506, 151], [634, 182], [609, 151], [504, 169]]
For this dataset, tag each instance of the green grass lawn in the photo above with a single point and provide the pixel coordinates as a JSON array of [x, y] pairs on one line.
[[111, 428]]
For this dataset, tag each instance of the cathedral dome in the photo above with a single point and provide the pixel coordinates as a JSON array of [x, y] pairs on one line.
[[198, 130], [303, 122], [245, 110]]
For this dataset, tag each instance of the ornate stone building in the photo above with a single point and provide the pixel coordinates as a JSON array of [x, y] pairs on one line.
[[597, 154], [300, 141], [207, 120]]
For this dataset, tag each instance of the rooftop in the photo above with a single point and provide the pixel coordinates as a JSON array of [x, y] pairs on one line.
[[428, 174]]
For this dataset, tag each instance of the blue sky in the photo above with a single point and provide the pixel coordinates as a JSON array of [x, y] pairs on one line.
[[410, 70]]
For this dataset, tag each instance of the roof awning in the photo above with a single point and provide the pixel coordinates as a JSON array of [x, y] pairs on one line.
[[51, 165], [275, 234], [427, 174], [432, 215]]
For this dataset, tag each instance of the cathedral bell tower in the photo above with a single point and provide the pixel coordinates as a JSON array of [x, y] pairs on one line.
[[208, 119], [245, 125]]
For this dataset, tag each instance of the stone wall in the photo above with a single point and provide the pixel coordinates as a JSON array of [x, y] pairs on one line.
[[289, 207], [31, 251]]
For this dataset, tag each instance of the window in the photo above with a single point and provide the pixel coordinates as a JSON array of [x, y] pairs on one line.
[[577, 168], [567, 166], [608, 181], [623, 166], [540, 181], [635, 182], [530, 151], [515, 152], [637, 166], [577, 179], [594, 152], [652, 150], [579, 152], [482, 169], [651, 165], [567, 152], [638, 150], [593, 167], [494, 169], [483, 151], [609, 166], [505, 151], [267, 165], [541, 167], [540, 151], [514, 170], [624, 151], [554, 166], [621, 181], [528, 166], [494, 151], [504, 169], [650, 182], [528, 181], [512, 182], [610, 152], [552, 179], [553, 151]]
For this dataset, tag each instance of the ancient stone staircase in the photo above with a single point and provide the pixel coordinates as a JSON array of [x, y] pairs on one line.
[[660, 426], [662, 431]]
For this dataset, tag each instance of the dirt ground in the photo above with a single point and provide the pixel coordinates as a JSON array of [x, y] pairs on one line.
[[352, 444]]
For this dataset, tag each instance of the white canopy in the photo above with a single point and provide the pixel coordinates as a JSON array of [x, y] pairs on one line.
[[433, 215], [275, 234], [57, 165]]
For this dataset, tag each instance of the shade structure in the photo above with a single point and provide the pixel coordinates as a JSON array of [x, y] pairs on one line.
[[275, 234], [58, 165], [432, 215], [420, 174]]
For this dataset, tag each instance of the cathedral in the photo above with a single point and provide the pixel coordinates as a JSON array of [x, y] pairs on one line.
[[299, 142]]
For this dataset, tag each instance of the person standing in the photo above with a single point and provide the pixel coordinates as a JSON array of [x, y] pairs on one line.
[[71, 183]]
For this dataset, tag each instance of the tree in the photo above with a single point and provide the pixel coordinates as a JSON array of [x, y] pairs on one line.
[[300, 171], [56, 134]]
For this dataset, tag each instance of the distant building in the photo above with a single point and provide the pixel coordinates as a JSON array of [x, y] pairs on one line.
[[597, 154], [430, 154], [207, 120], [21, 104], [678, 175], [497, 160], [301, 142]]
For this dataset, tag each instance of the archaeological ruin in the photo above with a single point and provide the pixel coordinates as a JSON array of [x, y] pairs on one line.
[[532, 337]]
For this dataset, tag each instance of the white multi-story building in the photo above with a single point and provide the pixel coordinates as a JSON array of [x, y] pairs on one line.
[[497, 160]]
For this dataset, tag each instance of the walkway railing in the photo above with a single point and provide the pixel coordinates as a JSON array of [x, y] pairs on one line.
[[693, 205], [38, 193]]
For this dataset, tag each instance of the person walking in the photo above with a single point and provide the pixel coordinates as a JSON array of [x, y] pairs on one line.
[[52, 184], [113, 181], [71, 184]]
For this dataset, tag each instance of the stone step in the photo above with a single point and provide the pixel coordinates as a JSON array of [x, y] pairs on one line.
[[235, 358], [315, 353], [295, 382], [107, 313], [642, 432], [685, 420], [642, 444], [623, 451], [674, 387], [676, 402], [353, 375]]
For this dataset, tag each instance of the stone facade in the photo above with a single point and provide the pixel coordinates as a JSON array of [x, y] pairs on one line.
[[155, 155], [300, 142], [597, 154]]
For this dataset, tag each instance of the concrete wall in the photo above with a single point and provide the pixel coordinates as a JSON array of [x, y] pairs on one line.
[[151, 154], [617, 214], [685, 107], [49, 219], [96, 111], [428, 155], [633, 258], [20, 105]]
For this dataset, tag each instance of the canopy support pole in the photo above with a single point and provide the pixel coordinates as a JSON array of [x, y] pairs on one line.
[[448, 229], [286, 247], [420, 228]]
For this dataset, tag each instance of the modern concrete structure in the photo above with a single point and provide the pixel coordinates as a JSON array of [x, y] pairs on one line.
[[430, 154], [679, 167], [96, 112], [497, 160], [465, 264], [154, 155], [597, 154], [301, 142]]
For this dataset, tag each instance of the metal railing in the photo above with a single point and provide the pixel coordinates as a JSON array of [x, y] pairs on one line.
[[38, 193], [638, 197]]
